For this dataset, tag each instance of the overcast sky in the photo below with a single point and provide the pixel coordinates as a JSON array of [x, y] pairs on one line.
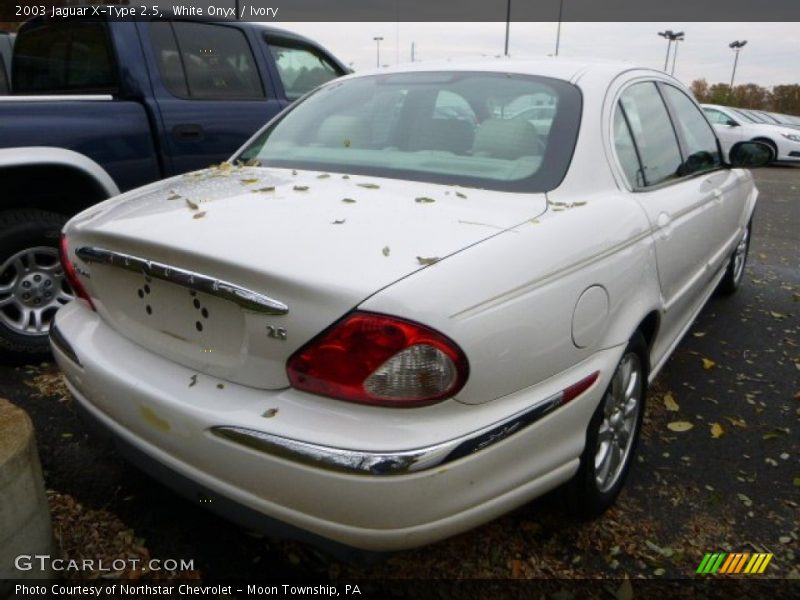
[[771, 57]]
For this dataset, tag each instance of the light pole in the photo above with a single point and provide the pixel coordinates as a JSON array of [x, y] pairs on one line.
[[558, 31], [508, 23], [736, 45], [678, 38], [670, 36], [378, 40]]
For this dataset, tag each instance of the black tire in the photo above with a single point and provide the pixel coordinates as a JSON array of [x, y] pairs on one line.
[[734, 273], [771, 145], [589, 497], [31, 233]]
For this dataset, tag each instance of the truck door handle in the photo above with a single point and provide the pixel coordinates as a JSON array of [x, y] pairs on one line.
[[188, 133]]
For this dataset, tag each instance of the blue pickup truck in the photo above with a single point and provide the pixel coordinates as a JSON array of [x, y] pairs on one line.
[[94, 108]]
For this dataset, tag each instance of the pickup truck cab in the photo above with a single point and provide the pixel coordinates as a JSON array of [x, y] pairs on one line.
[[138, 101]]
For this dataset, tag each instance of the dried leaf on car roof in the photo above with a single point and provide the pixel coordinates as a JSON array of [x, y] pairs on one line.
[[338, 222], [199, 215], [369, 186], [323, 175], [460, 195], [424, 200], [173, 195], [193, 380], [253, 162], [249, 181], [428, 260], [269, 413], [269, 188], [386, 251], [192, 205], [300, 188], [348, 201]]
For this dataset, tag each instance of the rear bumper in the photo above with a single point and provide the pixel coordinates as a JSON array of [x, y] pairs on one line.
[[165, 424]]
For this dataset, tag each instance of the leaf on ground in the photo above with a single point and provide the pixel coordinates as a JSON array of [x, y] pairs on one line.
[[777, 315], [199, 215], [300, 188], [771, 435], [269, 188], [192, 205], [741, 423], [424, 200], [348, 201], [669, 402], [679, 426], [248, 181], [708, 363], [386, 251], [427, 260], [369, 186], [717, 431], [744, 499], [625, 591]]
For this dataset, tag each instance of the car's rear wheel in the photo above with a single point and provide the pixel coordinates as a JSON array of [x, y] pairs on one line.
[[612, 434], [32, 283], [734, 274]]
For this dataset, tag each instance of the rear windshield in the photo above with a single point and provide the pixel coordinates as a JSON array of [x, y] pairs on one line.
[[494, 131]]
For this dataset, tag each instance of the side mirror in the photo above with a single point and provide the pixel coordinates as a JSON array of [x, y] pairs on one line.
[[732, 123], [750, 155]]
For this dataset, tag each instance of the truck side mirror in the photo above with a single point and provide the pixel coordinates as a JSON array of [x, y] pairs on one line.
[[750, 155]]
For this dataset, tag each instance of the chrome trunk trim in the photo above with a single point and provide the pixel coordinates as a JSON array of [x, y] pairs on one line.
[[247, 299]]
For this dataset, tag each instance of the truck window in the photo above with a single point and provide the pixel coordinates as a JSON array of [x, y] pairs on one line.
[[69, 57], [202, 61], [301, 68]]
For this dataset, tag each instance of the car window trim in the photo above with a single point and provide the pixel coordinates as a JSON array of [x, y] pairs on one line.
[[290, 42]]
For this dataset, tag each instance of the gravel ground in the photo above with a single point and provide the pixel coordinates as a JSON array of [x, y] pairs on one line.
[[729, 483]]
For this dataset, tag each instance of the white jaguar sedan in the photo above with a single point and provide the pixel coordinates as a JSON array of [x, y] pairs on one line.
[[399, 312]]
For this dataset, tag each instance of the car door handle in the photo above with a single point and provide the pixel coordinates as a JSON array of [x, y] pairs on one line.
[[188, 133]]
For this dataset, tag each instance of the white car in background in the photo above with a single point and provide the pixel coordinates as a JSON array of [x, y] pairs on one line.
[[733, 125], [383, 323]]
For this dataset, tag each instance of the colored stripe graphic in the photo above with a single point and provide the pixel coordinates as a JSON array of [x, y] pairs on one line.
[[734, 563]]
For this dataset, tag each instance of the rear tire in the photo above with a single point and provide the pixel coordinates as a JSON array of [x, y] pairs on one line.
[[612, 435], [734, 273], [32, 283]]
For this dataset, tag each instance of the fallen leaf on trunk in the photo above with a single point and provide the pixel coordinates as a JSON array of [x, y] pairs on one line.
[[717, 431], [679, 426]]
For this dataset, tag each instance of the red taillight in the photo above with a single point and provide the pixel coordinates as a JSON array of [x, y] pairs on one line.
[[72, 276], [382, 360]]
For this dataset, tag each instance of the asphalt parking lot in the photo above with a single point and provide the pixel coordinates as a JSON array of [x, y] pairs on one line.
[[729, 483]]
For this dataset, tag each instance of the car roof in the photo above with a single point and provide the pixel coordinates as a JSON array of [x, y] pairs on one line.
[[567, 69]]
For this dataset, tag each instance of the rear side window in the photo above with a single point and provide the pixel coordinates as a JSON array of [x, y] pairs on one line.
[[202, 61], [700, 143], [69, 57], [652, 131], [301, 68]]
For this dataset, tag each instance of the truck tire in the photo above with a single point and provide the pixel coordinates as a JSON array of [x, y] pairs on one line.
[[32, 283]]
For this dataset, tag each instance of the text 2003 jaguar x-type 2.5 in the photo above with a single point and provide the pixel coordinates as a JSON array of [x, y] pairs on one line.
[[417, 299]]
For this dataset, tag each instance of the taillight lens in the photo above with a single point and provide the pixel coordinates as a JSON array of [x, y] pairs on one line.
[[71, 275], [377, 359]]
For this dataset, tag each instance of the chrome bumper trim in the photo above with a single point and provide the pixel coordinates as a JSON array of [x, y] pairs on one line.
[[389, 463], [245, 298]]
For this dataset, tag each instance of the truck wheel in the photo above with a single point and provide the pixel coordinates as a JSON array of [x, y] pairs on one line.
[[32, 283]]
